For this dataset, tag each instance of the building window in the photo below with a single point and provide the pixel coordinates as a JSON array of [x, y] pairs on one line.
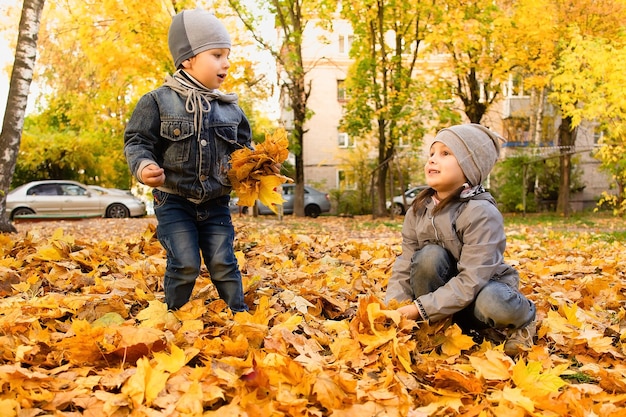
[[346, 180], [345, 141], [345, 42], [342, 95], [403, 142], [597, 136]]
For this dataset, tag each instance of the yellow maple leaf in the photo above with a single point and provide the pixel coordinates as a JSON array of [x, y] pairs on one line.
[[455, 341], [495, 366], [21, 286], [328, 393], [145, 384], [86, 344], [155, 315], [132, 343], [535, 381], [173, 362], [267, 192], [109, 319], [48, 253], [191, 401], [570, 312], [377, 333], [254, 174], [9, 407], [514, 396], [449, 400], [403, 353]]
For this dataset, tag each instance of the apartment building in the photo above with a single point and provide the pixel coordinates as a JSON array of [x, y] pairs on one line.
[[326, 61]]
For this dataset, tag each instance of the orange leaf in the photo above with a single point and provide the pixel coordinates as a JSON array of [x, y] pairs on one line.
[[254, 174], [495, 366]]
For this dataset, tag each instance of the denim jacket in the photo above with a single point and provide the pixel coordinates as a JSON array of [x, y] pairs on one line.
[[196, 166]]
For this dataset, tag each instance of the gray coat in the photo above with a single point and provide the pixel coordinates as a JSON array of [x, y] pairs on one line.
[[473, 232]]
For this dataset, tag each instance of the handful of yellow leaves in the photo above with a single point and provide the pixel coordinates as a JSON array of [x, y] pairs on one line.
[[255, 174]]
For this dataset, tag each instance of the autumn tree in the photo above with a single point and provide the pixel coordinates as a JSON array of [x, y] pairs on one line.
[[118, 51], [468, 36], [386, 98], [291, 19], [539, 41], [589, 85], [531, 40], [593, 20], [21, 78]]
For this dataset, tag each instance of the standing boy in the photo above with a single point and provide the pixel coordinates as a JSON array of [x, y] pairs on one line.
[[179, 141]]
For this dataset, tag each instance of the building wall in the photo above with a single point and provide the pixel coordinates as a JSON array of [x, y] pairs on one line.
[[326, 61]]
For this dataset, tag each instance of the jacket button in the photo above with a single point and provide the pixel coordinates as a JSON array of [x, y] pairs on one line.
[[176, 132], [202, 177], [203, 142]]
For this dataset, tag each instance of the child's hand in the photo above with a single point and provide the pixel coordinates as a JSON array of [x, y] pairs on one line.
[[410, 312], [153, 175], [276, 168]]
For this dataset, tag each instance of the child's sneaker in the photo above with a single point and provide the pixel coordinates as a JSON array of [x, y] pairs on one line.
[[520, 339]]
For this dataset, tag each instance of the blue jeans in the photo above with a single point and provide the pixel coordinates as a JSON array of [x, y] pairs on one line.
[[497, 305], [187, 230]]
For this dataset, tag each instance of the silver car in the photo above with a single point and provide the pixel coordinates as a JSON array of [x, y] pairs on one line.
[[315, 202], [71, 199], [397, 204]]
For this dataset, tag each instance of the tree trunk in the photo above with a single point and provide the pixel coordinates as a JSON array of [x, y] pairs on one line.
[[566, 146], [385, 152], [298, 202], [473, 104], [299, 99], [538, 128], [21, 78]]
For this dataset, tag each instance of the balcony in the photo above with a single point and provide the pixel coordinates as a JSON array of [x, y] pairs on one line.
[[516, 106]]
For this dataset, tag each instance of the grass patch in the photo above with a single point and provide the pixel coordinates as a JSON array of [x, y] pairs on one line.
[[579, 378], [579, 221]]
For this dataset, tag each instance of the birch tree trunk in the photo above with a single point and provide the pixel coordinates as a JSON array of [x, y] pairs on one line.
[[21, 78]]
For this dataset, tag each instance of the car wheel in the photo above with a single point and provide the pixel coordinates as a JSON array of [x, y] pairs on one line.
[[398, 209], [312, 210], [117, 211], [22, 211]]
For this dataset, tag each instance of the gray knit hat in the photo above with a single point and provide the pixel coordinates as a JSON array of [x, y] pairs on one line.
[[195, 31], [474, 146]]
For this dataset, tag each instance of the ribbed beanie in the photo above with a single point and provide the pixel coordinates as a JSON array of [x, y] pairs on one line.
[[195, 31], [475, 147]]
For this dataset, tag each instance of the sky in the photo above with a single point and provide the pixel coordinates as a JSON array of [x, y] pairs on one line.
[[8, 28], [6, 56]]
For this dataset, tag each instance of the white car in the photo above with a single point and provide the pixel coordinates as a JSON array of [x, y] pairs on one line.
[[70, 199]]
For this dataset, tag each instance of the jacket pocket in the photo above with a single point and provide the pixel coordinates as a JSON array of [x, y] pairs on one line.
[[179, 135], [225, 143]]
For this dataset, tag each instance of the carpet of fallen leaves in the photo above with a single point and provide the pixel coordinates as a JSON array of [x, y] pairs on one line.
[[84, 331]]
